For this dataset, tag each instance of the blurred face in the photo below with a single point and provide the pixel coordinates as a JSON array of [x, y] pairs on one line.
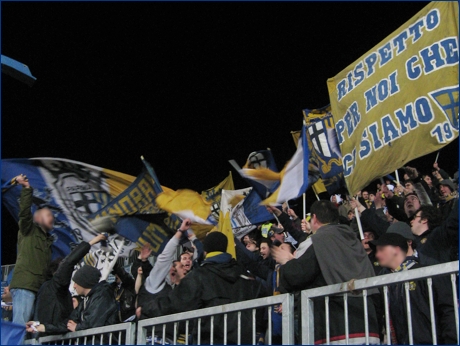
[[264, 250], [172, 273], [371, 197], [74, 302], [409, 187], [368, 236], [186, 260], [180, 271], [285, 247], [351, 215], [44, 217], [428, 180], [445, 190], [246, 239], [386, 256], [305, 225], [334, 199], [411, 205], [279, 237], [78, 289], [365, 195], [252, 246], [117, 279], [418, 225]]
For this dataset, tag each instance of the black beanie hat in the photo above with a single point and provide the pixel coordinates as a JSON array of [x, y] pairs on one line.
[[87, 276], [215, 241]]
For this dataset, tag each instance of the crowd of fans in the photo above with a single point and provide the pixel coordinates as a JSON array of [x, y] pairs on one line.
[[405, 226]]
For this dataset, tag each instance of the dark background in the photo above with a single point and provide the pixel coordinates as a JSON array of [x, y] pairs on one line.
[[187, 85]]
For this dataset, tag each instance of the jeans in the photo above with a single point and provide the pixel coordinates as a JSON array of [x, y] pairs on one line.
[[23, 305]]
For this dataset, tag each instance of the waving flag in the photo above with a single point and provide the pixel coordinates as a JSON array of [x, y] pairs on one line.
[[213, 196], [400, 100], [324, 148], [261, 172], [294, 178]]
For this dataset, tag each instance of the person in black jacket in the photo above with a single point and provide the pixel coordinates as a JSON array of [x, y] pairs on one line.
[[54, 301], [392, 254], [97, 309], [219, 280], [125, 293]]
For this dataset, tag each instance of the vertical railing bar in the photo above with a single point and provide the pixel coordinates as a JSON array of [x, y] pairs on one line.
[[453, 279], [212, 330], [186, 331], [119, 337], [225, 329], [93, 340], [345, 310], [199, 332], [387, 314], [366, 317], [153, 334], [85, 340], [409, 314], [164, 334], [78, 341], [175, 334], [253, 326], [239, 328], [429, 282], [328, 331], [110, 338], [270, 308], [102, 339]]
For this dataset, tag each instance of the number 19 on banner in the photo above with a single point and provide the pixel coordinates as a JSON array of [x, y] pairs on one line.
[[442, 132]]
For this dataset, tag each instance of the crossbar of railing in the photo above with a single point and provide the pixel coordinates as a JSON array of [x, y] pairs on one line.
[[287, 301], [365, 284], [123, 333]]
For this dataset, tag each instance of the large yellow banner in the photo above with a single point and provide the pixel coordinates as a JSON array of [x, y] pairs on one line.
[[399, 101]]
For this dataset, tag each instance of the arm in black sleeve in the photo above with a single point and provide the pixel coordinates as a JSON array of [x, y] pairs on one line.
[[443, 174], [146, 268], [244, 256], [124, 276], [96, 315], [370, 220], [446, 235], [63, 275], [287, 224], [200, 251], [296, 274]]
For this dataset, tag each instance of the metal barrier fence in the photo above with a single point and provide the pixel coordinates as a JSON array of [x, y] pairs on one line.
[[343, 289], [197, 316], [6, 269], [117, 334]]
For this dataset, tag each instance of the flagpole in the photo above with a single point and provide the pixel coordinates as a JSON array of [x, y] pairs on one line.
[[304, 198], [397, 176], [360, 226], [437, 157], [317, 197]]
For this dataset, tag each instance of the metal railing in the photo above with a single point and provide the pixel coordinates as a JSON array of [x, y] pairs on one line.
[[6, 269], [344, 289], [159, 323], [117, 334]]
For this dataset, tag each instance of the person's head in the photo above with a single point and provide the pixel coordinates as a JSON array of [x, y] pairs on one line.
[[85, 279], [264, 248], [323, 213], [305, 224], [411, 204], [446, 187], [76, 300], [186, 260], [334, 199], [215, 242], [365, 194], [409, 186], [404, 230], [428, 180], [276, 233], [406, 176], [252, 246], [371, 197], [391, 250], [351, 215], [425, 218], [44, 218], [368, 236], [180, 271], [53, 266]]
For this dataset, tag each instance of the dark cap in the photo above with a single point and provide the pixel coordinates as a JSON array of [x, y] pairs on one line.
[[449, 183], [392, 239], [215, 241], [401, 228], [87, 276]]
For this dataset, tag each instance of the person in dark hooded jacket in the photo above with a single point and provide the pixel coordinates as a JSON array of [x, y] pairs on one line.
[[392, 254], [97, 309], [54, 301], [219, 280]]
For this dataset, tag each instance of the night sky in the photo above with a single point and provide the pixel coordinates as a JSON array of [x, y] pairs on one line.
[[187, 85]]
